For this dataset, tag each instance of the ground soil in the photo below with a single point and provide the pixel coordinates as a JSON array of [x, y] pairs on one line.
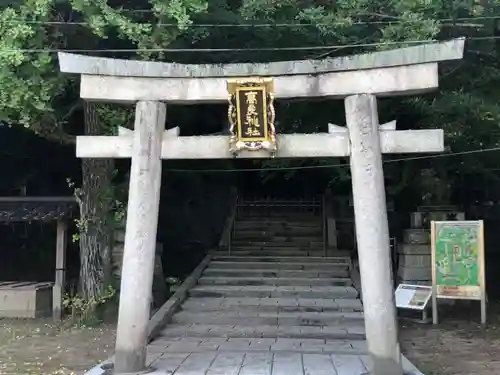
[[39, 347], [457, 346]]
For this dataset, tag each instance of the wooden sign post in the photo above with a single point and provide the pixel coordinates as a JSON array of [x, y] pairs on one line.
[[458, 263]]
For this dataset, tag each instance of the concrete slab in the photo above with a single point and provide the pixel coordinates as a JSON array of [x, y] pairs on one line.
[[273, 291], [272, 304], [319, 265], [299, 281], [283, 259], [270, 272], [255, 318]]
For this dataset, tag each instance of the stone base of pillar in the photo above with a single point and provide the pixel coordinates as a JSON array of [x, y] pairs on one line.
[[384, 367], [109, 370]]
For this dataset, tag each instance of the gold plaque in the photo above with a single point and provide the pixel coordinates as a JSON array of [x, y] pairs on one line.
[[251, 115]]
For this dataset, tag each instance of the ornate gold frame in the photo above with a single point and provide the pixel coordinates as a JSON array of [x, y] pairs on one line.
[[266, 142]]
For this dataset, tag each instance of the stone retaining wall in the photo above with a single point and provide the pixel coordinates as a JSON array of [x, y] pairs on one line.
[[414, 254]]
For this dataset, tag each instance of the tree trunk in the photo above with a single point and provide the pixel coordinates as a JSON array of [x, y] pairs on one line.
[[96, 230]]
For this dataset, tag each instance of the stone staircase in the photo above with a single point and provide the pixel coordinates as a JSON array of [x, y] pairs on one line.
[[257, 297], [265, 315], [287, 235], [273, 306]]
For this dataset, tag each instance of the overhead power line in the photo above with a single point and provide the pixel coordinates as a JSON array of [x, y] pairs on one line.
[[302, 167], [391, 20], [256, 49]]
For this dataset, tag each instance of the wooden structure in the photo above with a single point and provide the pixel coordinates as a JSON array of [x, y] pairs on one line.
[[42, 209]]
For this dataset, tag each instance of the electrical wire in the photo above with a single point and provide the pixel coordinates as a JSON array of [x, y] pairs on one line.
[[302, 167], [393, 20], [257, 49], [278, 25]]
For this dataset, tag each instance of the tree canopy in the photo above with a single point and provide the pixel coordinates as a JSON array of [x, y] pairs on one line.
[[35, 95]]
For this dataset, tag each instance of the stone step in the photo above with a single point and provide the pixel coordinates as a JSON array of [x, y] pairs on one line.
[[282, 253], [273, 291], [257, 344], [278, 228], [277, 221], [271, 259], [284, 219], [288, 221], [332, 272], [297, 281], [281, 246], [277, 248], [293, 242], [275, 234], [320, 265], [344, 331], [263, 241], [252, 318], [272, 304]]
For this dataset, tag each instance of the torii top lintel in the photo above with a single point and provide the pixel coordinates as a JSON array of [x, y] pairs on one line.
[[400, 71]]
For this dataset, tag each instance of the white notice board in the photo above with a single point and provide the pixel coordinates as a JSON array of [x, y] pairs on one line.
[[415, 297]]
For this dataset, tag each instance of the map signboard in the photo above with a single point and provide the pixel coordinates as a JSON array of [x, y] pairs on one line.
[[457, 261]]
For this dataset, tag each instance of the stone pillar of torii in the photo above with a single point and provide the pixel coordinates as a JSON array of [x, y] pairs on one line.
[[358, 80]]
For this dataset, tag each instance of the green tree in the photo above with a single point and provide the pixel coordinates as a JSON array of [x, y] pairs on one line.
[[34, 94], [465, 106]]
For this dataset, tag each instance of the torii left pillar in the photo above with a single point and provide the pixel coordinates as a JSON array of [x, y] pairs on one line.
[[140, 238]]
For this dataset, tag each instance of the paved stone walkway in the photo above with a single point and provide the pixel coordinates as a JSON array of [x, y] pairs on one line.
[[261, 363]]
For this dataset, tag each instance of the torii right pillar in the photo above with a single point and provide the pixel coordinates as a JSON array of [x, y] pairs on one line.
[[372, 233]]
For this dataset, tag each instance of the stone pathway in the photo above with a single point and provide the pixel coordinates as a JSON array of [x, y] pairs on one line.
[[278, 317]]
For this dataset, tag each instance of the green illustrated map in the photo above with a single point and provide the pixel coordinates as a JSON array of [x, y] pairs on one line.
[[457, 249]]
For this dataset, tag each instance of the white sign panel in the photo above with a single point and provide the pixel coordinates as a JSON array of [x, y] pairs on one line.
[[413, 297]]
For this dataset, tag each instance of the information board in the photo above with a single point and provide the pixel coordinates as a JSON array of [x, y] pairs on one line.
[[458, 261], [413, 297]]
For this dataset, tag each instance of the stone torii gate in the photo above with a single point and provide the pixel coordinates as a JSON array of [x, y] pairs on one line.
[[358, 79]]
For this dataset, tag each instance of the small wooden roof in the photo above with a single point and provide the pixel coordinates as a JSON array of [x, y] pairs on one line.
[[20, 209]]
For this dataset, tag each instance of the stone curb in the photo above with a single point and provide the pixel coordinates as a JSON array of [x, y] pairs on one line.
[[165, 313]]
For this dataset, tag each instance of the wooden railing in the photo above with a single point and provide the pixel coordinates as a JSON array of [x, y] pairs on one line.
[[271, 205]]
